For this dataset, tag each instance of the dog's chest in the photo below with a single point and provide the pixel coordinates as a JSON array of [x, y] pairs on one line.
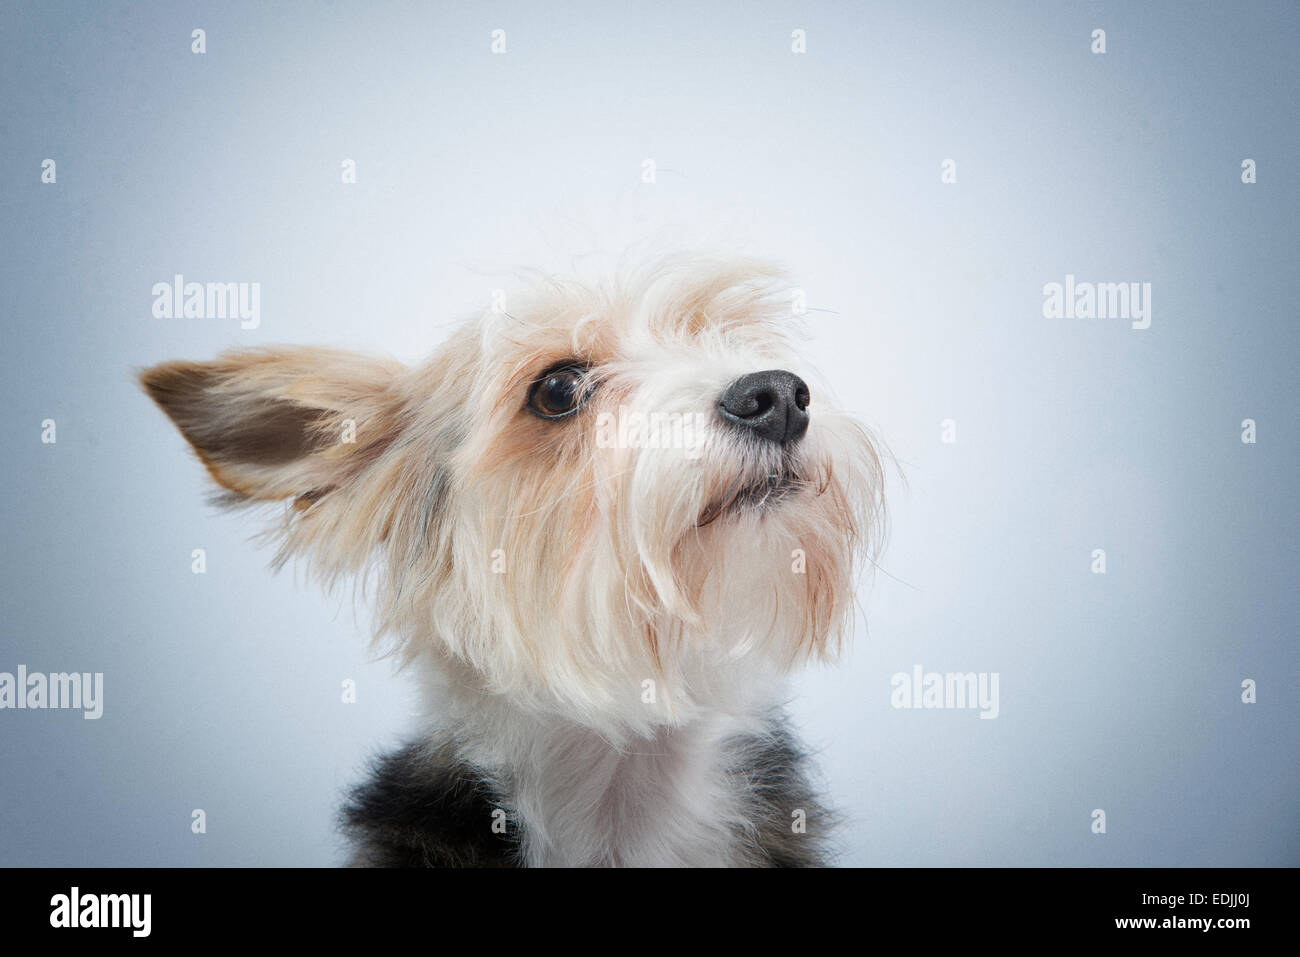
[[557, 797], [664, 801]]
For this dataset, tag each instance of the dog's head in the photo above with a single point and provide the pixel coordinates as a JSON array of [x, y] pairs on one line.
[[615, 501]]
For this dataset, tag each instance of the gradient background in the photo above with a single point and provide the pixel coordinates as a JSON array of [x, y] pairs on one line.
[[1121, 692]]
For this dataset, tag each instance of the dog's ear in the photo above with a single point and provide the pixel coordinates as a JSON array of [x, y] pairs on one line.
[[273, 424]]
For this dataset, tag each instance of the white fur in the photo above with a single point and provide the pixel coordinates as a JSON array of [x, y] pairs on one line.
[[581, 800]]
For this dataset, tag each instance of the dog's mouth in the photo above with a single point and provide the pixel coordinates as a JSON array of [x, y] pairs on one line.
[[768, 492]]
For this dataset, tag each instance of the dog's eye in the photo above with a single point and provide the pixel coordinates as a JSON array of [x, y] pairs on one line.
[[559, 392]]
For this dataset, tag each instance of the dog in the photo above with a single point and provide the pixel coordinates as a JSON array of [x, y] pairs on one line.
[[602, 526]]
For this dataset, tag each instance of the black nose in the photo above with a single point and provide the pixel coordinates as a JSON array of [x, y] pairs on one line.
[[774, 404]]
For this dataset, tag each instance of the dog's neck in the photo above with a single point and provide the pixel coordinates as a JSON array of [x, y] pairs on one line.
[[672, 798]]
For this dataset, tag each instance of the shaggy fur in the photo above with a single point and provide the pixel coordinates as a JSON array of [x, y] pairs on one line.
[[602, 625], [424, 806]]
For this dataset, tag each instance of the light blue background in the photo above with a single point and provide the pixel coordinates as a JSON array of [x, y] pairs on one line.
[[1119, 692]]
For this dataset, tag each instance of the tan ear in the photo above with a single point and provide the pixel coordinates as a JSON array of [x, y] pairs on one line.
[[281, 423]]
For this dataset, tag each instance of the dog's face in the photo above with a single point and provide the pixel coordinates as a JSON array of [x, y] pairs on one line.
[[612, 503]]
